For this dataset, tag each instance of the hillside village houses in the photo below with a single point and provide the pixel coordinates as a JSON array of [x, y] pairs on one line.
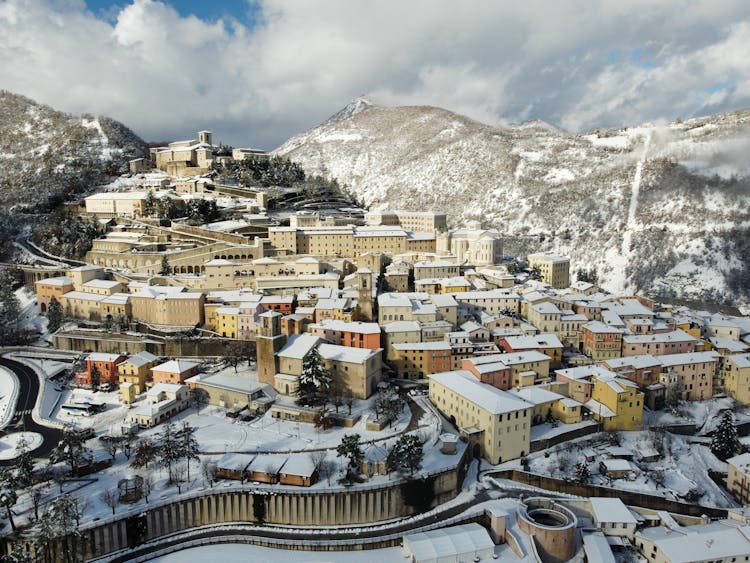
[[403, 297]]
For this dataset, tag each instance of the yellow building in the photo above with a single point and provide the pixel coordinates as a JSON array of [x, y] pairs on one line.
[[738, 477], [737, 377], [136, 371], [227, 321], [555, 270], [616, 403], [497, 422]]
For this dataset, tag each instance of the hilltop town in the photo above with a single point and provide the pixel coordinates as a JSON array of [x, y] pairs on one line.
[[241, 344]]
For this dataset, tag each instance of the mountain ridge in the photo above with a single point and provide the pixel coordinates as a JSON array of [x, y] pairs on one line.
[[651, 208]]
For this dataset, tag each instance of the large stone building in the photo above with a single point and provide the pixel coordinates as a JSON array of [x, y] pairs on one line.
[[418, 221], [185, 158], [497, 421], [555, 270], [349, 240], [472, 246]]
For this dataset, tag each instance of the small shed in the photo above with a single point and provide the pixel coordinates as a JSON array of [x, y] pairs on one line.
[[232, 466], [617, 468], [374, 462], [265, 468], [298, 470]]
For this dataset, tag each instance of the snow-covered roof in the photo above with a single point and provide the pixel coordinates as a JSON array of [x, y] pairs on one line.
[[298, 345], [175, 366], [511, 359], [299, 465], [537, 395], [600, 327], [545, 340], [343, 326], [740, 360], [485, 396], [59, 281], [401, 326], [102, 357], [664, 337], [585, 372], [636, 362], [141, 359], [597, 548], [689, 358], [611, 510], [235, 462], [456, 543], [346, 354], [717, 541], [412, 346]]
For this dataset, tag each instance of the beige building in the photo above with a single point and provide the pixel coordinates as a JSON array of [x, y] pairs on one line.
[[186, 158], [473, 245], [738, 477], [494, 301], [123, 204], [136, 370], [418, 221], [737, 377], [435, 269], [555, 270], [349, 240], [153, 305], [498, 422], [163, 401]]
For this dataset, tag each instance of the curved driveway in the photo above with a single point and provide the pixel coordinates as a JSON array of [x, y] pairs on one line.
[[22, 419]]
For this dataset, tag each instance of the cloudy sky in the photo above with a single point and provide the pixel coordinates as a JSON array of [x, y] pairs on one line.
[[257, 72]]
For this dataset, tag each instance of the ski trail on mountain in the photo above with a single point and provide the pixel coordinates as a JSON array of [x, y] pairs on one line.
[[635, 188]]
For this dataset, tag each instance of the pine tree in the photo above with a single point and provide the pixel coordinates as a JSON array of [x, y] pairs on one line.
[[71, 449], [351, 448], [54, 315], [8, 495], [725, 442], [189, 447], [315, 381], [169, 448], [10, 311], [144, 452], [24, 465], [96, 377], [406, 455], [164, 268], [582, 472]]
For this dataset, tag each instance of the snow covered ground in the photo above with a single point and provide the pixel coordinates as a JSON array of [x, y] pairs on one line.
[[8, 396], [10, 442], [682, 467], [705, 415], [231, 553]]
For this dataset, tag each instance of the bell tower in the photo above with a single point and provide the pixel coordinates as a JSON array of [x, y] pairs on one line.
[[268, 341], [364, 294]]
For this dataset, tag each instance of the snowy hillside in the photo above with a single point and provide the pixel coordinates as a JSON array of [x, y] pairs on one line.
[[661, 208], [48, 156]]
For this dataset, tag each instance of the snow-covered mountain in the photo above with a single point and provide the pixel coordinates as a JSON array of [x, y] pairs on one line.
[[48, 156], [656, 207]]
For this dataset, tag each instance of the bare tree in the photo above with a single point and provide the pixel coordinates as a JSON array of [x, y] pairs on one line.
[[178, 476], [111, 446], [349, 399], [110, 497], [147, 486], [126, 446], [208, 468], [36, 495]]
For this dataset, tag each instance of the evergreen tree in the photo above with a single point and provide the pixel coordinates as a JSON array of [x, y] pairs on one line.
[[315, 381], [24, 465], [54, 315], [406, 455], [189, 448], [149, 204], [725, 443], [10, 312], [144, 452], [71, 449], [8, 495], [60, 522], [169, 448], [164, 268], [582, 472], [96, 377], [351, 448], [535, 273]]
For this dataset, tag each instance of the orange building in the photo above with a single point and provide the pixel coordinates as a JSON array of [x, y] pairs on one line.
[[283, 304], [174, 371], [103, 364], [49, 288], [601, 341], [418, 359], [354, 334]]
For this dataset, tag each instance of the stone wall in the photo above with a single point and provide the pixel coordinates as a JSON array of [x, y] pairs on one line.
[[339, 507]]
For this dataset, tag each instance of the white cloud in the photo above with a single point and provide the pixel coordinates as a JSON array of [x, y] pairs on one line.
[[575, 63]]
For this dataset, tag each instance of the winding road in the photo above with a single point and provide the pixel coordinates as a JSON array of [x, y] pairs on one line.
[[22, 419]]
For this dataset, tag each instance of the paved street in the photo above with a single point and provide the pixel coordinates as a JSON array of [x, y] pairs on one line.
[[22, 419]]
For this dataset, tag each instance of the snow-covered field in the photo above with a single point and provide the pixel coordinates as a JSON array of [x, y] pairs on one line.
[[9, 443], [681, 468], [8, 395]]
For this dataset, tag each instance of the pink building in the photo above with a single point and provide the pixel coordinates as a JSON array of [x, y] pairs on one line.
[[675, 342]]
